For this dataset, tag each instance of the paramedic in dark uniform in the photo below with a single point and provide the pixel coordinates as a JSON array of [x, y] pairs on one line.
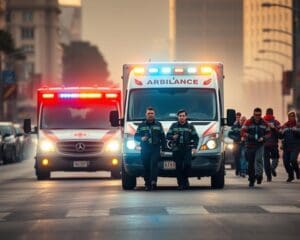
[[151, 136], [184, 139]]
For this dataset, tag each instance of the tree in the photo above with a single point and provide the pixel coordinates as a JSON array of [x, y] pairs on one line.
[[84, 65]]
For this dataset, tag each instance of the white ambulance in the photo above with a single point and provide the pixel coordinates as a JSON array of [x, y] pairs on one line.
[[196, 87], [74, 132]]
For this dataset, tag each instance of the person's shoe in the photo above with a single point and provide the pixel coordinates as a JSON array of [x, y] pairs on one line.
[[290, 179], [237, 173], [269, 179], [259, 179], [148, 188], [274, 173], [251, 184], [243, 175]]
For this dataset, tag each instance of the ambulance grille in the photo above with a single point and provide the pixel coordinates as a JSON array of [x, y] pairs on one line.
[[76, 147]]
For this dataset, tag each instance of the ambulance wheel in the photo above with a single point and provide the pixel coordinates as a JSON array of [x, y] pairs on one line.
[[128, 182], [115, 174], [218, 180], [43, 174]]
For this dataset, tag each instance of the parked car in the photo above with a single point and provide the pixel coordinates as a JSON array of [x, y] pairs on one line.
[[229, 148], [20, 141], [10, 144]]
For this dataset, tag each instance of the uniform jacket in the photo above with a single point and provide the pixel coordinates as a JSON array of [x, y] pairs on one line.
[[252, 131], [188, 137]]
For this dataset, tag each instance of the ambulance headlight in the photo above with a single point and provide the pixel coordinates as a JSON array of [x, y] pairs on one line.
[[130, 144], [211, 144], [47, 146], [113, 146]]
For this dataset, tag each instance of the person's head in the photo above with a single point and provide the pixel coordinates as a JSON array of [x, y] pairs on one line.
[[269, 111], [243, 120], [292, 116], [150, 114], [257, 114], [238, 116], [182, 116]]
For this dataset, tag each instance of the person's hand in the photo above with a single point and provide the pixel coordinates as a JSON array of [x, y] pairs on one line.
[[144, 139], [260, 139], [175, 136], [271, 125], [194, 150]]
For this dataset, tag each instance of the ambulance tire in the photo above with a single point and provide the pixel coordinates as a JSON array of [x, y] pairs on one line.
[[43, 174], [115, 174], [218, 180], [128, 182]]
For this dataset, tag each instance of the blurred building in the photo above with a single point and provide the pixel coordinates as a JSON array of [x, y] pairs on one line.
[[70, 21], [210, 30], [267, 53], [2, 13], [34, 25]]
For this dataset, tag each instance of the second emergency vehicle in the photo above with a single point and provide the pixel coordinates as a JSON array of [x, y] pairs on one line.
[[74, 132], [196, 87]]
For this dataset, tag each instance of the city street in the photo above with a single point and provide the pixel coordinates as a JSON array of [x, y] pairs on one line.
[[92, 206]]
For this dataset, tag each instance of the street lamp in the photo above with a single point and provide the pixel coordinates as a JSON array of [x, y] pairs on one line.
[[276, 30], [268, 40], [275, 52]]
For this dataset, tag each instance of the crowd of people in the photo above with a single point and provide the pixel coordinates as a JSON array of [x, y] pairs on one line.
[[257, 141]]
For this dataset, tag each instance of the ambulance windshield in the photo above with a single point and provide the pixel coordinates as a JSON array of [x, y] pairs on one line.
[[201, 104], [77, 116]]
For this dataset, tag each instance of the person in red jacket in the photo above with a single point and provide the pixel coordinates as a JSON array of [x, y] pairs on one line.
[[271, 145], [255, 131], [290, 135]]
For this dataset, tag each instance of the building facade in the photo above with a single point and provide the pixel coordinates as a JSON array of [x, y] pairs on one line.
[[267, 54], [34, 26]]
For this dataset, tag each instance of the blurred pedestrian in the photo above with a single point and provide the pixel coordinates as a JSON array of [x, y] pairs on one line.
[[255, 131], [271, 145], [290, 135], [235, 135], [243, 161]]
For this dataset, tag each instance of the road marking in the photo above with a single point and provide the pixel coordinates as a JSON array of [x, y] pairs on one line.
[[186, 210], [87, 213], [280, 209], [3, 215]]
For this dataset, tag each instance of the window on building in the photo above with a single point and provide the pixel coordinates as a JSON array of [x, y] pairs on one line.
[[27, 16], [27, 33], [28, 48]]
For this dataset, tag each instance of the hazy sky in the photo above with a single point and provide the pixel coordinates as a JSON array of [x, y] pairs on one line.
[[127, 30]]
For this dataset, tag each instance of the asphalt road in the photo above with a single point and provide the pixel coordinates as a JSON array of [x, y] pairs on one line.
[[92, 206]]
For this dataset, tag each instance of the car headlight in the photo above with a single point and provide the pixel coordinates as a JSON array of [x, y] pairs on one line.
[[113, 146], [211, 144], [130, 144], [47, 146], [230, 146]]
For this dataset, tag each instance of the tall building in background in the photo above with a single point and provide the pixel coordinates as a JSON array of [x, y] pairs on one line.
[[210, 30], [70, 21], [267, 53], [34, 26]]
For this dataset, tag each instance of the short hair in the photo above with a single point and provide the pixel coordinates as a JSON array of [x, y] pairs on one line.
[[269, 111], [150, 109], [293, 113], [257, 109], [181, 111], [238, 114]]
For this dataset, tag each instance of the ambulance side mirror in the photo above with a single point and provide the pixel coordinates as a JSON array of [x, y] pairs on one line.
[[230, 117], [114, 118], [27, 125]]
